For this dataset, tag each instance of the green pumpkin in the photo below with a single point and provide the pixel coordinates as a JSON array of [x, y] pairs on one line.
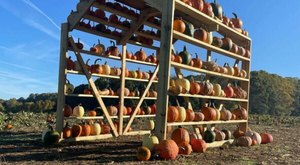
[[209, 136], [51, 137], [189, 29], [186, 57], [227, 134]]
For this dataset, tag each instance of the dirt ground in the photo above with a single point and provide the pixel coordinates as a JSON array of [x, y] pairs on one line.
[[25, 147]]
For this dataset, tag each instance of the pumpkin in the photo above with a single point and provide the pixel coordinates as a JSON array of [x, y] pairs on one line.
[[227, 43], [167, 149], [225, 114], [143, 153], [244, 141], [227, 134], [100, 48], [106, 69], [199, 116], [266, 138], [211, 65], [229, 92], [254, 142], [209, 113], [184, 83], [240, 113], [79, 45], [78, 111], [51, 136], [152, 93], [146, 75], [67, 131], [95, 129], [220, 136], [173, 114], [217, 9], [209, 136], [239, 92], [175, 89], [92, 113], [234, 48], [201, 34], [70, 64], [126, 92], [206, 88], [198, 145], [238, 23], [139, 74], [105, 129], [112, 110], [207, 9], [67, 110], [178, 59], [195, 136], [194, 87], [189, 30], [182, 114], [217, 42], [229, 69], [180, 135], [209, 38], [153, 108], [133, 74], [69, 87], [150, 125], [247, 54], [150, 141], [218, 90], [197, 62], [179, 25], [185, 55], [76, 130], [86, 129], [96, 68], [115, 71], [190, 115], [238, 133], [254, 136], [141, 55], [112, 50], [185, 148]]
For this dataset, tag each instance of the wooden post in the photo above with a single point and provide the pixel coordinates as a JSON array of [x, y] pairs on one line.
[[165, 65], [62, 78], [122, 89]]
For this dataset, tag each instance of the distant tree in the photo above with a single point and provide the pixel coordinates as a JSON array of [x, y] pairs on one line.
[[1, 107]]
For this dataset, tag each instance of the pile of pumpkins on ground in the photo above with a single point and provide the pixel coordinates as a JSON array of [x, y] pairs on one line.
[[184, 143]]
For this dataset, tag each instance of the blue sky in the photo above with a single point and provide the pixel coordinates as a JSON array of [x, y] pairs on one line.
[[30, 33]]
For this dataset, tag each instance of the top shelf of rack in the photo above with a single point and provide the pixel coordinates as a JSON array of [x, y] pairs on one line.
[[197, 18]]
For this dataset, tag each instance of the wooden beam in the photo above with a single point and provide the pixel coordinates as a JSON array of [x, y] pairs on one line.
[[122, 89], [82, 7], [135, 25], [93, 86], [141, 100], [62, 78], [165, 66], [157, 4]]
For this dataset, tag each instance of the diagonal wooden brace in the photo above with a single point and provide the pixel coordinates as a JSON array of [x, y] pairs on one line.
[[141, 100], [93, 86], [135, 25]]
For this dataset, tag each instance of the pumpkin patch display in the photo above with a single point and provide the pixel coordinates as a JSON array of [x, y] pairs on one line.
[[167, 149], [143, 153]]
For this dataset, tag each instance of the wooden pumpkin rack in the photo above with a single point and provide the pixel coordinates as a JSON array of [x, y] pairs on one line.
[[165, 10]]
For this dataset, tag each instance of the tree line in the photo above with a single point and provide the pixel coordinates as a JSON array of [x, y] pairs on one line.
[[269, 94]]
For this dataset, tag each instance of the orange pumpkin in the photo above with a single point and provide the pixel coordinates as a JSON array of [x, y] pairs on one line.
[[240, 113], [180, 135], [105, 129], [67, 111], [173, 114], [185, 148], [266, 138], [143, 153], [179, 25], [167, 149], [92, 113], [190, 115], [198, 145], [86, 130], [139, 74], [67, 131], [238, 133], [228, 90], [209, 113], [76, 130], [199, 116], [112, 110], [195, 87], [141, 55]]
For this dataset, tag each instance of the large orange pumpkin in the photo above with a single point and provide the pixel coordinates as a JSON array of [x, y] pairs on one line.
[[190, 115], [167, 149], [266, 138], [180, 135], [141, 55], [173, 114], [240, 113], [198, 145], [179, 25], [86, 130], [209, 113], [195, 87]]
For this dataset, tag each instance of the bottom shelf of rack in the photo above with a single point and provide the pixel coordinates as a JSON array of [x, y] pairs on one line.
[[219, 143], [87, 138]]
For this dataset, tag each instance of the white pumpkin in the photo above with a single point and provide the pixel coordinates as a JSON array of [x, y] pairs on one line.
[[150, 141], [96, 129], [256, 136], [150, 125], [184, 83], [78, 111], [182, 114]]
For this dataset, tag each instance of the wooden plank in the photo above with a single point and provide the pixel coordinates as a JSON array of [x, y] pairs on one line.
[[93, 86], [122, 89], [88, 138], [140, 80], [141, 62], [141, 100], [93, 74], [97, 54], [213, 97], [86, 95], [207, 46], [219, 143], [141, 132], [187, 67], [62, 78], [206, 122], [164, 73], [101, 117]]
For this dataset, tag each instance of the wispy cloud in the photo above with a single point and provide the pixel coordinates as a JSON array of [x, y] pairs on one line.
[[42, 28]]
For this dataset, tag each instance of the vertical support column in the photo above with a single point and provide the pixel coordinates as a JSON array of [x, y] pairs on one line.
[[62, 78], [246, 86], [122, 89], [165, 65]]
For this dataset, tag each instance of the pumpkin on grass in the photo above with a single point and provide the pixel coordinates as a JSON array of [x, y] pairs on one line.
[[143, 153], [198, 145], [51, 136], [244, 141], [266, 138], [150, 141], [167, 149], [185, 148]]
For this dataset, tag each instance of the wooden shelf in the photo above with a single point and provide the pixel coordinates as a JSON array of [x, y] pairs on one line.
[[142, 132], [193, 15], [97, 54], [118, 26], [113, 117], [140, 62], [187, 67], [95, 75], [97, 33], [87, 138], [142, 80], [206, 122], [213, 97], [207, 46], [219, 143], [115, 97]]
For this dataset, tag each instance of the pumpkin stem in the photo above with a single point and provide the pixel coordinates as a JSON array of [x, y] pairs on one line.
[[235, 15], [87, 61], [196, 55], [78, 40], [50, 127], [68, 82], [98, 59], [236, 62], [112, 43], [184, 48], [98, 41], [177, 102]]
